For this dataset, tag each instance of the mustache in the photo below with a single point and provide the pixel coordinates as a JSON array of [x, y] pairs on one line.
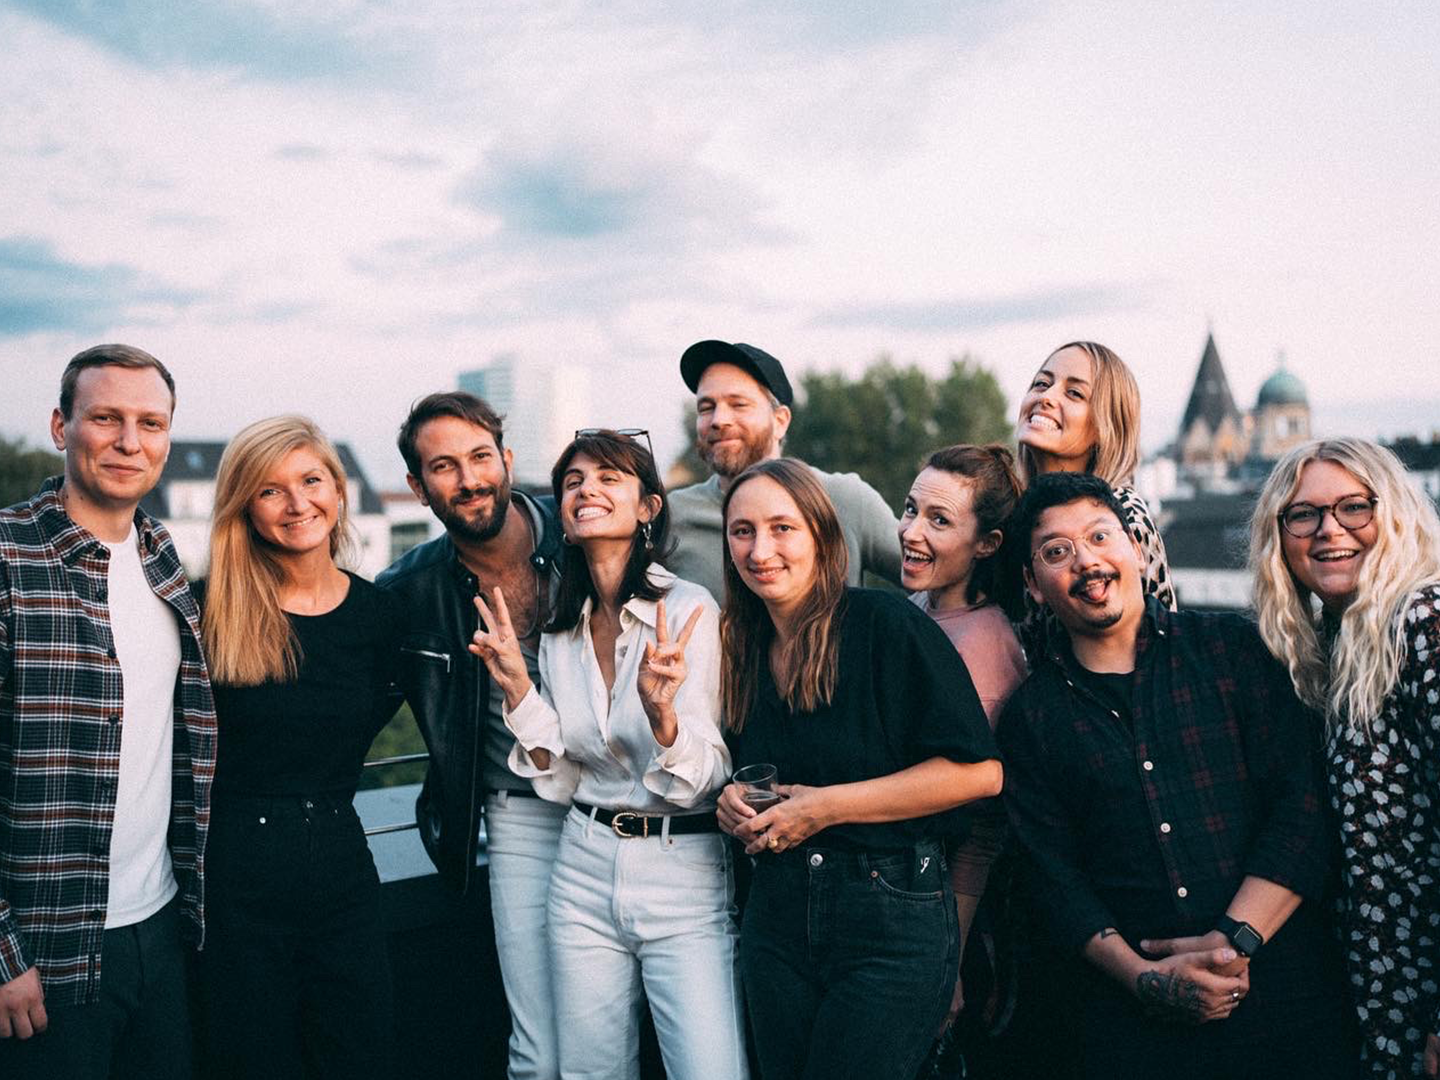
[[471, 493], [1094, 575]]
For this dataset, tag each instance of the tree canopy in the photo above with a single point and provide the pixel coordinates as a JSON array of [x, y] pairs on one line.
[[885, 423], [23, 469]]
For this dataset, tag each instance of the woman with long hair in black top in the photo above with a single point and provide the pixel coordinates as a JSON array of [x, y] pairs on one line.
[[849, 943], [294, 976]]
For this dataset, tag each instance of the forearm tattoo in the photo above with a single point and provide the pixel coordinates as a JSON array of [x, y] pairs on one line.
[[1171, 995]]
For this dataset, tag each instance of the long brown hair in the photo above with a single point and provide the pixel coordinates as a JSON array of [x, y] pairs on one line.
[[248, 638], [1115, 408], [811, 657]]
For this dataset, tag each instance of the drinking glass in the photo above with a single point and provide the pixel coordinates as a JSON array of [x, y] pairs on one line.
[[757, 786]]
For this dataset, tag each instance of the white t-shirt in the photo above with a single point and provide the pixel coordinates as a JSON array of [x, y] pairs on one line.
[[147, 642]]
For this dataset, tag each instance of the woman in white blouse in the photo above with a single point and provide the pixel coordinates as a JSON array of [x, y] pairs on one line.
[[626, 727]]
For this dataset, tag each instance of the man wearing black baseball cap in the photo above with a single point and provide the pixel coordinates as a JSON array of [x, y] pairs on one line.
[[742, 407]]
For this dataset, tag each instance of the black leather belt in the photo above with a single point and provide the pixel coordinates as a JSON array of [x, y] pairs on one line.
[[515, 792], [633, 825]]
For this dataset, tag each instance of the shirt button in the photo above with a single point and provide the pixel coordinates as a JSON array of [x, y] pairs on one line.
[[816, 859], [114, 717], [96, 915], [1182, 892], [1164, 826], [1148, 766]]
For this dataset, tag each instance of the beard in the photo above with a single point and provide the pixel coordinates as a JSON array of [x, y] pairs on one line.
[[475, 526], [729, 460], [1097, 620]]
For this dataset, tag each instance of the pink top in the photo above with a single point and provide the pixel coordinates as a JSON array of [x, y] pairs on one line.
[[988, 645]]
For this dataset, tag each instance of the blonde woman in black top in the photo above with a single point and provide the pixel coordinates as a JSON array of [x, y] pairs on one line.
[[294, 976]]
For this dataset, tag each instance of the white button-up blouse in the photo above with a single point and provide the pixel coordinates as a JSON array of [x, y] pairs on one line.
[[602, 750]]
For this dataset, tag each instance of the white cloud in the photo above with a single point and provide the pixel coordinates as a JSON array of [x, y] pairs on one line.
[[827, 180]]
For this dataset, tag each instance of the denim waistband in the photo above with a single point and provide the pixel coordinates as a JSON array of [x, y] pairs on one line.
[[846, 862]]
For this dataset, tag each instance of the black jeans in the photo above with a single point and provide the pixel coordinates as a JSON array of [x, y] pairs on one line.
[[848, 960], [140, 1027], [295, 973]]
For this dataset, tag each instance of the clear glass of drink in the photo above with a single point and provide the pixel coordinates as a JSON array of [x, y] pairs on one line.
[[757, 786]]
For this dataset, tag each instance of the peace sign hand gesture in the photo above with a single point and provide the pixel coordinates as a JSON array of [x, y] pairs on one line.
[[662, 671], [496, 644]]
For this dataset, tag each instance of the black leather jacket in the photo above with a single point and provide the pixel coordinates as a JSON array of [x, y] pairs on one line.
[[448, 687]]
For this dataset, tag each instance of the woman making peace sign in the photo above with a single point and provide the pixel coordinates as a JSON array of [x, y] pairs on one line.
[[626, 725]]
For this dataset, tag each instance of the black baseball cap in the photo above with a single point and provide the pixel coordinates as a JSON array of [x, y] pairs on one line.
[[759, 363]]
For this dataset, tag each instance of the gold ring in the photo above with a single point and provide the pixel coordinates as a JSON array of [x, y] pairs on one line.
[[773, 843]]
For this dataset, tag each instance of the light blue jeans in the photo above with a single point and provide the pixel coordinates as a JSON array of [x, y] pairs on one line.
[[522, 837], [653, 914]]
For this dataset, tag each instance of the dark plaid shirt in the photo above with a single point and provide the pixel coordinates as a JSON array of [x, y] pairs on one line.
[[1149, 822], [61, 702]]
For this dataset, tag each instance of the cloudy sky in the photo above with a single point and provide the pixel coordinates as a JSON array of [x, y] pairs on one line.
[[334, 207]]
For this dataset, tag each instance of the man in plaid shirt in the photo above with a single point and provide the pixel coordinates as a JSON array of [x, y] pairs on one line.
[[1164, 782], [107, 745]]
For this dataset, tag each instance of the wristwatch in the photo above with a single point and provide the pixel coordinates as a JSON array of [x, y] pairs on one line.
[[1244, 937]]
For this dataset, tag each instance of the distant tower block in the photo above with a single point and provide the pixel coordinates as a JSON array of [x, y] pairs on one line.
[[1282, 413], [543, 404]]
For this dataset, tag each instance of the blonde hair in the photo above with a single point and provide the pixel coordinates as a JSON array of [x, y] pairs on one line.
[[248, 639], [1115, 408], [811, 658], [1363, 663]]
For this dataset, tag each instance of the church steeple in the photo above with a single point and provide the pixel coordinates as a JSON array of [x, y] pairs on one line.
[[1210, 398]]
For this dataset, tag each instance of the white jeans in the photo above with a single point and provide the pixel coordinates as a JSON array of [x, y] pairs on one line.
[[656, 913], [522, 837]]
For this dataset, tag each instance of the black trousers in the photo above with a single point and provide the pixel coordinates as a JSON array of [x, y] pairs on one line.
[[295, 974], [1301, 1031], [140, 1027]]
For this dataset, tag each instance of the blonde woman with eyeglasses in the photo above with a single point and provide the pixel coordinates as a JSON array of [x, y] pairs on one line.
[[1346, 556]]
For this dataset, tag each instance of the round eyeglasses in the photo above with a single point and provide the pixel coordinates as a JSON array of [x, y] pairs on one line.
[[1304, 519], [1060, 550]]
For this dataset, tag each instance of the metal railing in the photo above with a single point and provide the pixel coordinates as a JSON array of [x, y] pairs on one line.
[[398, 759]]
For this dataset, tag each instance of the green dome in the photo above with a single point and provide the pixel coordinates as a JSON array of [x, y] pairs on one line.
[[1282, 388]]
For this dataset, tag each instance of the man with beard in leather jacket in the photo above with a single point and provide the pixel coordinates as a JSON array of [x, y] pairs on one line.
[[452, 443]]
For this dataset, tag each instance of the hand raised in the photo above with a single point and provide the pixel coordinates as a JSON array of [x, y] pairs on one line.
[[496, 644], [663, 669]]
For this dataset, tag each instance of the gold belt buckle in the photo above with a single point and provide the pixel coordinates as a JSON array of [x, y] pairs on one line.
[[621, 821]]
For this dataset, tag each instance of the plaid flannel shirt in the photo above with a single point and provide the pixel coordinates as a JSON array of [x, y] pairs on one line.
[[61, 701], [1149, 823]]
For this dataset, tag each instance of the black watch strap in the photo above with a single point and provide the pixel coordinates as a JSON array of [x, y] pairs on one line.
[[1242, 935]]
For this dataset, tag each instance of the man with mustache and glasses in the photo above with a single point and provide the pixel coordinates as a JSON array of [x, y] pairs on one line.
[[1163, 780], [453, 446], [742, 411]]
